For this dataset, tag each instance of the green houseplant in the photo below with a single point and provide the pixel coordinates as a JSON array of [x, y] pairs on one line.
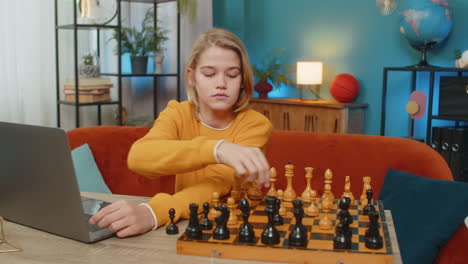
[[271, 71], [140, 43]]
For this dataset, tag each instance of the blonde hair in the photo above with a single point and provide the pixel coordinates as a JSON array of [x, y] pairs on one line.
[[224, 39]]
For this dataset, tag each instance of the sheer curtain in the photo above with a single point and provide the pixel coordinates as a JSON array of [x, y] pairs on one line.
[[27, 62]]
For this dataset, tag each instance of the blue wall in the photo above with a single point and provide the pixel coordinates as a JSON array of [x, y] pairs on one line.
[[348, 37]]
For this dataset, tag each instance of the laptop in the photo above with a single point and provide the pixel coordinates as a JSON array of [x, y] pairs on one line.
[[38, 186]]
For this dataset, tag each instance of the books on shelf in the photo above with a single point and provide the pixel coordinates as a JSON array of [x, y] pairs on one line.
[[89, 83], [90, 90], [89, 98]]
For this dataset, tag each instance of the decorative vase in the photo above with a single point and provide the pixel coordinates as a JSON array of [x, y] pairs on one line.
[[263, 88], [158, 60], [139, 64]]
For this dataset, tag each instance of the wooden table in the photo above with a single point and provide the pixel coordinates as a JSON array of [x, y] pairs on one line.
[[152, 247]]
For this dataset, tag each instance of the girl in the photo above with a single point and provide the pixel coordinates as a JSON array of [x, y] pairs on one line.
[[206, 141]]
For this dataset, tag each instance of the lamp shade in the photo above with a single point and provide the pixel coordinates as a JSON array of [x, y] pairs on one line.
[[309, 72]]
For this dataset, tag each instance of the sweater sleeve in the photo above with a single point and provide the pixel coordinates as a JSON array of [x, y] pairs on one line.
[[158, 152], [218, 177]]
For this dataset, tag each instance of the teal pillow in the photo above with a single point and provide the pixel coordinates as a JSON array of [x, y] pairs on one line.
[[426, 212], [87, 173]]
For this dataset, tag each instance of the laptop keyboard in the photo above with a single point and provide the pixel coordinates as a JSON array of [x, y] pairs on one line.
[[91, 228], [91, 207]]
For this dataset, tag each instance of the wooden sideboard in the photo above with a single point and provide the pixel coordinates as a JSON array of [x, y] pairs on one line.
[[312, 115]]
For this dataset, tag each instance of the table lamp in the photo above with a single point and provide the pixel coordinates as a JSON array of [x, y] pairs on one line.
[[310, 73]]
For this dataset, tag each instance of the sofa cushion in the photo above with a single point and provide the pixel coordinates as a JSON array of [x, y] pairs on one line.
[[87, 173], [426, 212]]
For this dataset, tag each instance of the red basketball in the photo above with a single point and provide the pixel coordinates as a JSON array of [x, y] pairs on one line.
[[344, 88]]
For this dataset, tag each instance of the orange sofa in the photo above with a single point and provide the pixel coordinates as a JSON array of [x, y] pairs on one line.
[[344, 154]]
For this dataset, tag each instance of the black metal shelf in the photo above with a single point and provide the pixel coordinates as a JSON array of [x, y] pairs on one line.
[[415, 69], [141, 74], [452, 118], [75, 27], [92, 103], [426, 69], [87, 26]]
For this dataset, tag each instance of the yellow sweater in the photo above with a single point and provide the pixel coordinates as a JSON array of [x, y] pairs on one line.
[[179, 144]]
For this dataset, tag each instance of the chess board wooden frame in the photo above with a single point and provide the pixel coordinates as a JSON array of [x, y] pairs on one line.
[[320, 242]]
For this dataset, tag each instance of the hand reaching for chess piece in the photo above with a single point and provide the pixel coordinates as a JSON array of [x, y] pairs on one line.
[[248, 161]]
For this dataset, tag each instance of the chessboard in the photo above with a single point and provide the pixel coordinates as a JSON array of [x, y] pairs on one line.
[[319, 248]]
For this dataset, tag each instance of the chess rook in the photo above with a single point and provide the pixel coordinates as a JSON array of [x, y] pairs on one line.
[[193, 230]]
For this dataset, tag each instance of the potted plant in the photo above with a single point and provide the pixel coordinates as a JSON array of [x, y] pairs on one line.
[[157, 37], [271, 71], [89, 66], [140, 43]]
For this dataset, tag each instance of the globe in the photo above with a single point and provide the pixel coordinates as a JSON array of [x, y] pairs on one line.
[[425, 23]]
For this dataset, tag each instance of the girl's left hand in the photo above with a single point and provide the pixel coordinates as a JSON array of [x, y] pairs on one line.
[[124, 218]]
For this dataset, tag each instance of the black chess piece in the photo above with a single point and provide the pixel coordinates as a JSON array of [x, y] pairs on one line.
[[277, 218], [193, 230], [246, 232], [342, 240], [343, 215], [206, 224], [298, 235], [369, 207], [373, 239], [221, 232], [270, 235], [172, 229]]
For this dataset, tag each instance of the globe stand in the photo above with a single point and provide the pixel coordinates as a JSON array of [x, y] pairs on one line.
[[423, 62]]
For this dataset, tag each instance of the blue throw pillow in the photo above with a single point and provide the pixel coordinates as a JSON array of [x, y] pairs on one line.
[[426, 212], [87, 173]]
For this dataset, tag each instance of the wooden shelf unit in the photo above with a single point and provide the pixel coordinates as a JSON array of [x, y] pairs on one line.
[[312, 115]]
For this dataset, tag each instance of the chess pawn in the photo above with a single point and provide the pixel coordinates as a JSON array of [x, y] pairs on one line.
[[232, 209], [347, 190], [206, 224], [366, 186], [253, 192], [272, 190], [289, 193], [312, 210], [213, 212], [282, 210], [306, 193], [172, 229], [325, 223], [328, 181]]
